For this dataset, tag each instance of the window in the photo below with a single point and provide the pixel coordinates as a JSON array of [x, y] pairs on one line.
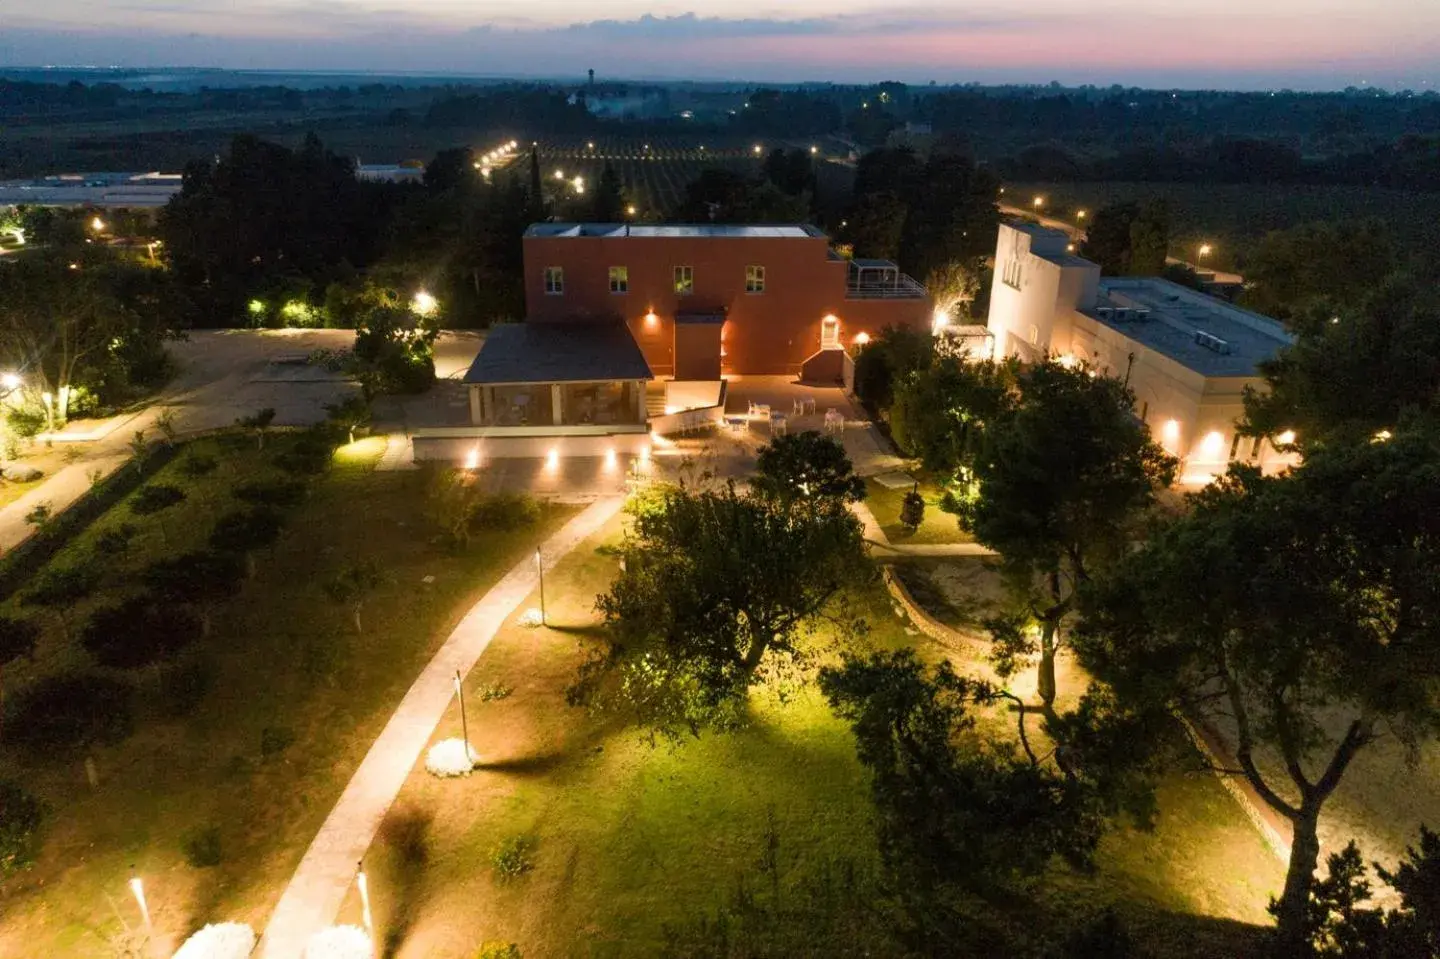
[[1011, 274], [1235, 446], [1145, 412], [555, 280], [684, 280], [754, 279], [619, 279]]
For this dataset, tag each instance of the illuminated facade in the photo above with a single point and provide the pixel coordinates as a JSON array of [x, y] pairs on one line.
[[1188, 357]]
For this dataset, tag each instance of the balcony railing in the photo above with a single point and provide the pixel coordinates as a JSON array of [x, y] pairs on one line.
[[896, 287]]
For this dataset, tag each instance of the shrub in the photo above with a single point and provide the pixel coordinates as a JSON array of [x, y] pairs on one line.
[[21, 816], [201, 577], [512, 858], [70, 710], [182, 686], [115, 541], [912, 510], [246, 530], [197, 465], [307, 456], [277, 493], [498, 950], [139, 631], [505, 511], [26, 421], [201, 846], [274, 740], [61, 586], [493, 691], [156, 498]]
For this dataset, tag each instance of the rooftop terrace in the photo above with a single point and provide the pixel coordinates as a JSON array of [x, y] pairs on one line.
[[652, 231], [1202, 333]]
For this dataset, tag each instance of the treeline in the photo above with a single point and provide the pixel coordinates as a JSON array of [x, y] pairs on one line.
[[1410, 163]]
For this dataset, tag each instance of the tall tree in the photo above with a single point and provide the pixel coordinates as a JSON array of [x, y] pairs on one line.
[[608, 204], [1107, 238], [536, 208], [718, 589], [1339, 263], [940, 413], [1305, 608], [1066, 472], [1353, 372], [1150, 239], [952, 215]]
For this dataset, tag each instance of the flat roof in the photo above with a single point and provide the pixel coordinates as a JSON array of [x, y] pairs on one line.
[[1242, 338], [567, 352], [1067, 260], [651, 231]]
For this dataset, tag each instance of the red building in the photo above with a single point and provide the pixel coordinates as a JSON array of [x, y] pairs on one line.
[[613, 307], [704, 301]]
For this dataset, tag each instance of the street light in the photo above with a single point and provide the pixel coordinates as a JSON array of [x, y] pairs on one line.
[[559, 174], [1038, 202], [758, 149], [540, 569], [1204, 250], [630, 210], [98, 225], [1079, 214]]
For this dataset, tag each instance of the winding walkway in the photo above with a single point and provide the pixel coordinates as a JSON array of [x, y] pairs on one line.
[[318, 888]]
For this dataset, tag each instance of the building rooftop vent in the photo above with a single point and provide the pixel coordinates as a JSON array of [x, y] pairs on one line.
[[1142, 315], [1122, 314], [1105, 312], [1212, 342]]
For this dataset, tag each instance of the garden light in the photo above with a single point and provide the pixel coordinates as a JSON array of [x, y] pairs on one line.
[[137, 888], [1038, 202], [98, 225], [1286, 438], [424, 304], [10, 381]]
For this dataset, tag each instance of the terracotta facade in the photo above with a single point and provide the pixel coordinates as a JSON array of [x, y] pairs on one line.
[[773, 331]]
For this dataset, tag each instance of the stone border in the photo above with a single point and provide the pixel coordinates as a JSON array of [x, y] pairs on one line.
[[953, 639]]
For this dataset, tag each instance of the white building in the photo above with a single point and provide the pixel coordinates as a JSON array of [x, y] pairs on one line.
[[1188, 357]]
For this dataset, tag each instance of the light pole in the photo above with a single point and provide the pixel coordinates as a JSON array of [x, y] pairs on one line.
[[138, 889], [1204, 250], [540, 569], [464, 726]]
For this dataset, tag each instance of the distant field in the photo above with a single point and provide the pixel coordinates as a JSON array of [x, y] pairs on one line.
[[654, 172], [1233, 216]]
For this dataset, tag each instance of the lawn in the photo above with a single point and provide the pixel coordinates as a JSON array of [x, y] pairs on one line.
[[627, 839], [294, 699], [937, 527]]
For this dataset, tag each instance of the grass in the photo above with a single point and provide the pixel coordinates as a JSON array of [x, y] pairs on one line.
[[295, 699], [937, 527], [629, 838], [12, 490]]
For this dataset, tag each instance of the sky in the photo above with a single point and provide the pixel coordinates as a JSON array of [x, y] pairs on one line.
[[1224, 44]]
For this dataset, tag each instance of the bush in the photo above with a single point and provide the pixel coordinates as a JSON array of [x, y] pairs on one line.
[[912, 510], [61, 586], [277, 493], [201, 846], [505, 511], [512, 858], [139, 631], [155, 498], [182, 686], [26, 421], [69, 711], [21, 816], [498, 950], [274, 740], [198, 464], [310, 454], [115, 541], [246, 530]]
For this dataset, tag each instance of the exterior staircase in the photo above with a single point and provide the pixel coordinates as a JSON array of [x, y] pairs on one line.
[[654, 400]]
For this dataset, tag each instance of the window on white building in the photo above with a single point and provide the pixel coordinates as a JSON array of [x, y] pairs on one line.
[[1011, 274], [684, 280], [754, 279], [555, 280], [619, 279]]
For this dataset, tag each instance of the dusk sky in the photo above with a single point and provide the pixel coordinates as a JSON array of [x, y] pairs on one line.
[[1248, 44]]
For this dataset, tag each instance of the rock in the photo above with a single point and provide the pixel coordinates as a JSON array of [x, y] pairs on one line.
[[22, 473]]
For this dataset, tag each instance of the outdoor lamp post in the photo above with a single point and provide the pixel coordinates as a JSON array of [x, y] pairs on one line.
[[1204, 250], [137, 887], [464, 726], [540, 569]]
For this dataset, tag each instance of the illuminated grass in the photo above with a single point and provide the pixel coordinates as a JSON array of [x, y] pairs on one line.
[[295, 701]]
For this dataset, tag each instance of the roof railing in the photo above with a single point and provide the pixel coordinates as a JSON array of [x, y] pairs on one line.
[[898, 286]]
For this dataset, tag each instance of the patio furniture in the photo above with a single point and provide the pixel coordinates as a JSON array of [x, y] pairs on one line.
[[809, 404], [797, 408], [834, 421], [736, 424], [778, 424], [761, 410]]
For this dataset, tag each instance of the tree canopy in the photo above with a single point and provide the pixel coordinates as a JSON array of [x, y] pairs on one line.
[[718, 588], [1307, 606], [1066, 471], [806, 467]]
